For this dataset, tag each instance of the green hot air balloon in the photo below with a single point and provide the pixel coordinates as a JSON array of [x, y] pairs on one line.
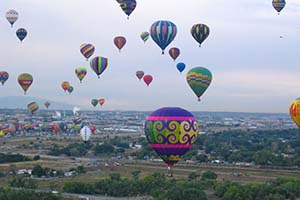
[[199, 78], [94, 102]]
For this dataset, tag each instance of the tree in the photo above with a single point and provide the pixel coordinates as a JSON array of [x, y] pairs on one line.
[[136, 174], [38, 171], [37, 157], [209, 175]]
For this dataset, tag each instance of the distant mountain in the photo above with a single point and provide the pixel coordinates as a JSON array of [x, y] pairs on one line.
[[13, 102]]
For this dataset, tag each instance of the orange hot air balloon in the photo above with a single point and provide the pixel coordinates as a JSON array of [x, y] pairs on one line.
[[65, 85], [101, 101], [25, 80], [295, 111]]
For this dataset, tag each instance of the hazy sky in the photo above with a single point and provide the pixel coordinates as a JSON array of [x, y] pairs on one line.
[[254, 70]]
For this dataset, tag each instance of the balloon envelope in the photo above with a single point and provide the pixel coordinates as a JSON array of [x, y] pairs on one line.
[[85, 133], [21, 34], [99, 65], [180, 66], [65, 85], [47, 104], [101, 101], [87, 50], [128, 6], [145, 36], [80, 73], [3, 77], [199, 78], [148, 79], [94, 102], [295, 111], [140, 74], [120, 42], [33, 107], [174, 53], [200, 32], [70, 89], [163, 33], [25, 80], [171, 133], [278, 5], [12, 16]]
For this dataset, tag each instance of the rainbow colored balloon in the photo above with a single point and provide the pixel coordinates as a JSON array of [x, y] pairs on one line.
[[171, 133], [120, 42], [145, 36], [199, 79], [25, 80], [33, 107], [163, 33], [174, 53], [295, 111], [80, 73], [99, 65], [3, 77], [200, 32], [87, 50]]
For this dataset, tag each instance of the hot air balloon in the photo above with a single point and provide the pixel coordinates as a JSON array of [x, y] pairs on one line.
[[200, 32], [76, 111], [101, 101], [33, 107], [47, 104], [148, 79], [93, 128], [120, 42], [21, 34], [174, 53], [25, 80], [295, 111], [80, 73], [99, 64], [278, 5], [3, 77], [70, 89], [199, 78], [87, 50], [180, 66], [94, 102], [12, 16], [127, 6], [145, 36], [85, 133], [163, 33], [65, 85], [139, 74], [171, 133]]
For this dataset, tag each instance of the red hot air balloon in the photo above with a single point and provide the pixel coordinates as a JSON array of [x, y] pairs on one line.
[[120, 42], [148, 79], [174, 53], [140, 74]]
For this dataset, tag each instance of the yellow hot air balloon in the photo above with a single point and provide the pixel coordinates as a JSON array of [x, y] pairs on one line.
[[295, 111], [33, 107], [25, 80]]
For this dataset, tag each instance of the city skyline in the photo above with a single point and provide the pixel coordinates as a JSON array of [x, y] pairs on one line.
[[254, 69]]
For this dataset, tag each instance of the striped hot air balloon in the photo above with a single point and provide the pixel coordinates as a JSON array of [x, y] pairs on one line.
[[99, 65], [87, 50], [3, 77], [33, 107], [163, 33], [80, 73], [145, 36], [199, 79], [200, 32]]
